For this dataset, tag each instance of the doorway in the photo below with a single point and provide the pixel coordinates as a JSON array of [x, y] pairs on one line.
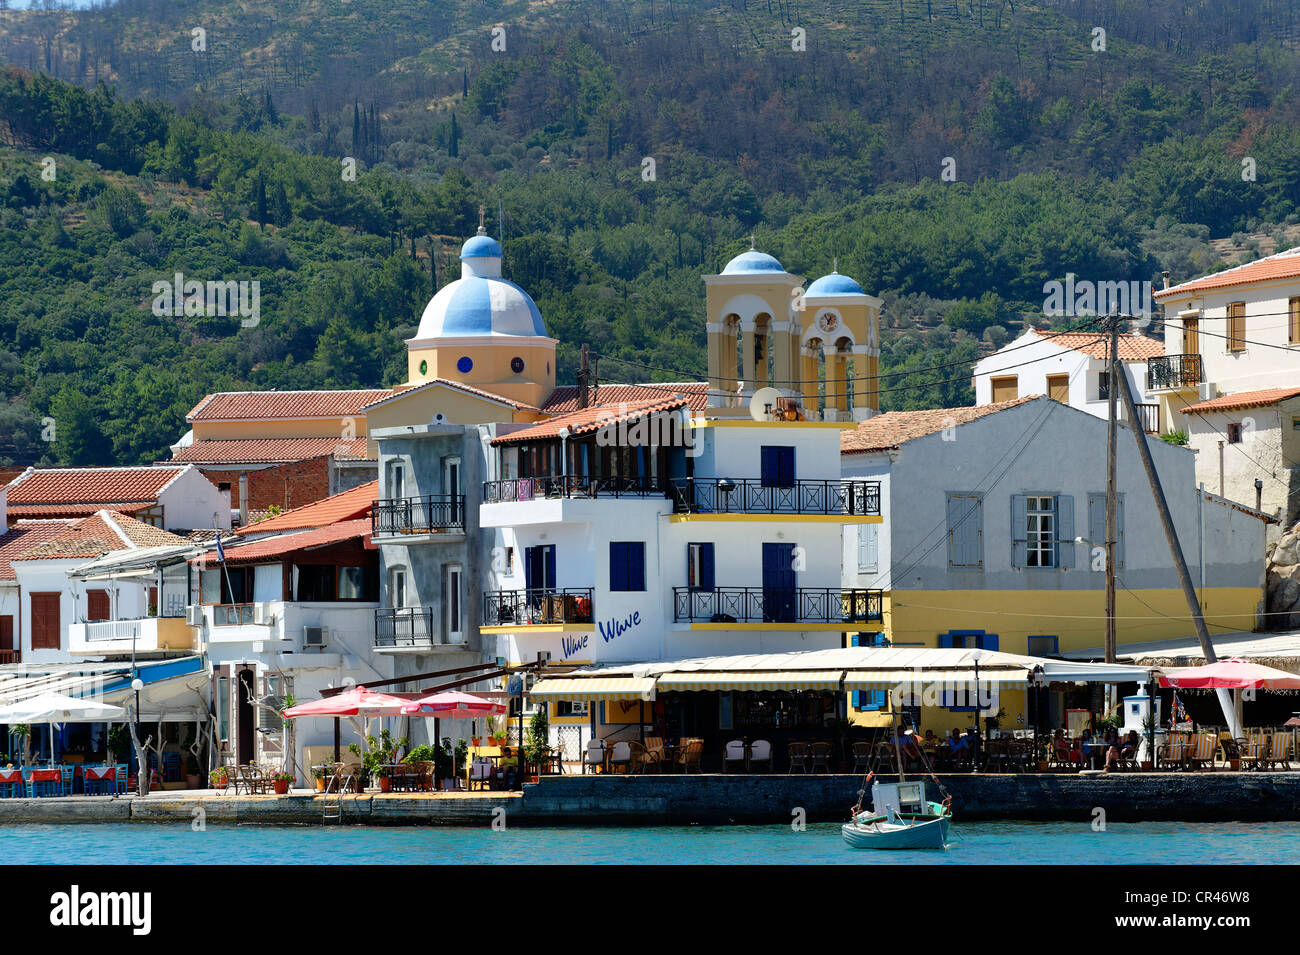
[[778, 583], [245, 724]]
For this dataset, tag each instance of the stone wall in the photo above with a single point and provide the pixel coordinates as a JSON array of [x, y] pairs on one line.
[[1283, 582]]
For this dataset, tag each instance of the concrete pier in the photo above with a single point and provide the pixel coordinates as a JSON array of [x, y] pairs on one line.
[[707, 799]]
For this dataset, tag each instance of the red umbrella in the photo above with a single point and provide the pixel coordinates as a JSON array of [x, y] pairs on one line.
[[453, 705], [357, 701], [1234, 674]]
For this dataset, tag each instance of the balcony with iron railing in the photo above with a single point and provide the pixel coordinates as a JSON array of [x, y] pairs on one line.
[[1174, 372], [429, 514], [829, 607], [550, 486], [545, 607], [412, 629], [754, 496]]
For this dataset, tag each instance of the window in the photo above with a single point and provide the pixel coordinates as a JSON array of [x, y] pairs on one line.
[[97, 605], [960, 699], [699, 566], [777, 463], [1005, 389], [397, 480], [1042, 531], [1103, 386], [315, 582], [1043, 646], [45, 621], [1293, 321], [223, 709], [965, 531], [539, 567], [626, 565], [571, 708], [1236, 326], [352, 584], [397, 591], [1058, 388], [151, 515], [226, 585], [510, 561], [452, 602], [868, 550], [1097, 525], [1234, 434], [869, 700]]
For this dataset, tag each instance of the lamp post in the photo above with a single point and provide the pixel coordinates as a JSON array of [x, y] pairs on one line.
[[975, 655], [564, 461], [142, 781]]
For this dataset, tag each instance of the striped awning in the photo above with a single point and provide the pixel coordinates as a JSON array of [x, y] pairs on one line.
[[881, 679], [754, 680], [594, 688]]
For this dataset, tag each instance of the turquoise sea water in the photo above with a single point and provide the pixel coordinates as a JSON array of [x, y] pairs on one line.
[[998, 843]]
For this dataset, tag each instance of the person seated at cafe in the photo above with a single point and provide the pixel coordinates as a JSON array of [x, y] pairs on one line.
[[906, 743], [958, 747], [1063, 748], [1121, 749]]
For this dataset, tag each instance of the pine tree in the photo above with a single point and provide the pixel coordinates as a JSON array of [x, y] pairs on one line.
[[453, 150], [356, 128]]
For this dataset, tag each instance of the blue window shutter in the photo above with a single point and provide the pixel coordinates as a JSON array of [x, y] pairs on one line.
[[879, 640], [636, 566], [857, 699], [785, 466], [945, 640], [767, 465], [855, 640], [706, 566], [987, 641], [550, 566], [617, 565], [1019, 530], [1064, 531], [878, 699]]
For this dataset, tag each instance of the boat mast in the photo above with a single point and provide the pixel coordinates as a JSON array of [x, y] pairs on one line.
[[898, 752]]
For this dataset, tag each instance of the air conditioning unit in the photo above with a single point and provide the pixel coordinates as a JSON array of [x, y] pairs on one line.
[[315, 636], [194, 615], [1206, 391], [262, 615]]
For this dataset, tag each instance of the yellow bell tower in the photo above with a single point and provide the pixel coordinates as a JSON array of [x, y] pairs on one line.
[[840, 328]]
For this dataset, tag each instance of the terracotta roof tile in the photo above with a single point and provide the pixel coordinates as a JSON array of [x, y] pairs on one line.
[[564, 398], [1282, 265], [268, 450], [39, 511], [127, 488], [98, 534], [344, 506], [288, 543], [458, 386], [22, 537], [227, 405], [894, 428], [1132, 346], [1243, 399], [591, 419]]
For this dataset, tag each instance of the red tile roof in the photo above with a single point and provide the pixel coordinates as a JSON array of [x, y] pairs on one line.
[[591, 419], [283, 544], [98, 534], [22, 537], [565, 397], [130, 486], [268, 450], [458, 386], [40, 511], [1132, 346], [344, 506], [1243, 399], [1283, 265], [228, 405], [894, 428]]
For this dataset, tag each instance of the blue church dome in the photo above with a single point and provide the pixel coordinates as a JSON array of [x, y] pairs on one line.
[[481, 303], [751, 262], [834, 284]]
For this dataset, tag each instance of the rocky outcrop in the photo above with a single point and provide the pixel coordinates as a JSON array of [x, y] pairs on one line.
[[1283, 582]]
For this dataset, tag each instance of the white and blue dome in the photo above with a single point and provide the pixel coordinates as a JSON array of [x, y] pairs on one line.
[[481, 303], [752, 262], [834, 284]]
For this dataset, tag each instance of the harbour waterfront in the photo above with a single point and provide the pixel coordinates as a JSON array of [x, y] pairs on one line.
[[997, 843]]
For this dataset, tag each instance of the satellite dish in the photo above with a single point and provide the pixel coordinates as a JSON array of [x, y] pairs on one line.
[[764, 403]]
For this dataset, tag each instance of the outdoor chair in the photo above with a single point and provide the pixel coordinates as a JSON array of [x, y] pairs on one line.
[[480, 773], [821, 756], [861, 757], [734, 752], [1251, 749], [593, 757], [885, 756], [1202, 751], [690, 754], [1279, 751], [621, 755], [636, 757], [654, 753], [760, 751], [798, 753], [1060, 757]]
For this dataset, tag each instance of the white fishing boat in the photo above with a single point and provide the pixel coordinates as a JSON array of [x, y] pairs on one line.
[[901, 817]]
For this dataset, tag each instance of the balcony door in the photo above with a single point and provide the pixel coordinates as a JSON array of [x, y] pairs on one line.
[[778, 583], [1191, 336], [539, 567], [451, 487]]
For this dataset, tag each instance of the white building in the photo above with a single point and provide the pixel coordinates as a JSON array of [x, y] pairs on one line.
[[1071, 367], [173, 497]]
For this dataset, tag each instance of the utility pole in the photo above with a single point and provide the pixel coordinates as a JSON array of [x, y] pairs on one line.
[[1176, 552], [584, 376], [1113, 372]]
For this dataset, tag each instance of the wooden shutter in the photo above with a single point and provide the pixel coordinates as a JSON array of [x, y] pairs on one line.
[[6, 632], [1019, 530], [1064, 531], [706, 566], [1191, 336], [868, 548], [626, 565], [1058, 388], [97, 605], [1236, 326], [45, 621], [1005, 389], [776, 463], [1293, 321], [636, 566], [965, 530]]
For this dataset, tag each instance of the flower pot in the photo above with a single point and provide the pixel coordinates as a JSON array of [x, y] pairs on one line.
[[1234, 764], [281, 786], [476, 740], [320, 784], [532, 778], [1042, 765], [193, 780], [385, 784], [1147, 765]]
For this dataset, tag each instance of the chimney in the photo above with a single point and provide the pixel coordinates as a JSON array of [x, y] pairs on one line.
[[243, 499], [1165, 276]]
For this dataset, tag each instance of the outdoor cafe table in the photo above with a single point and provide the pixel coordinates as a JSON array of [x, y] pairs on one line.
[[98, 774], [13, 777]]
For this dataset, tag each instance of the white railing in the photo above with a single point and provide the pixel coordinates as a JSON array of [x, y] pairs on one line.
[[104, 630]]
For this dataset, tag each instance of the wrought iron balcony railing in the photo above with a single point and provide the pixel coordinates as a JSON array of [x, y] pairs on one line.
[[752, 496], [1174, 371], [537, 606], [399, 627], [418, 515], [551, 486], [776, 605]]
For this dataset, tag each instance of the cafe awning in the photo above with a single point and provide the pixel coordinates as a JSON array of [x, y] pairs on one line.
[[594, 688], [753, 681], [882, 679]]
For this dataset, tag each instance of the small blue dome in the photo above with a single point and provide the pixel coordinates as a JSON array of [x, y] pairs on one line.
[[834, 284], [751, 262], [481, 247]]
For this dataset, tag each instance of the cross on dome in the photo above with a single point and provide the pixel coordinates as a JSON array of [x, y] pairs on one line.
[[482, 211]]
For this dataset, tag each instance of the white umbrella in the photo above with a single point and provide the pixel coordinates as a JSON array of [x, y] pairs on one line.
[[54, 708]]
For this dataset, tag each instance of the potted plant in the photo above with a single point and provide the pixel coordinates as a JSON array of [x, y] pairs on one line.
[[219, 777], [537, 747], [24, 732], [380, 752], [192, 778], [321, 774], [280, 782], [1148, 737]]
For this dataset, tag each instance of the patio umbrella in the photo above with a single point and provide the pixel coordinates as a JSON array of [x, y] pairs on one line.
[[1233, 674], [453, 705], [357, 701], [52, 708]]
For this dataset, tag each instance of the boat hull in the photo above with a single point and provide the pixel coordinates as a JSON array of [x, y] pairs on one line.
[[875, 832]]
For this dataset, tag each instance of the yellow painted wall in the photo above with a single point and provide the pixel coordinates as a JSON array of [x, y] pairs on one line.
[[491, 370]]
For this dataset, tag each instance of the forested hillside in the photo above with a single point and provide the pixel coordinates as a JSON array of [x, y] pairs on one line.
[[821, 128]]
